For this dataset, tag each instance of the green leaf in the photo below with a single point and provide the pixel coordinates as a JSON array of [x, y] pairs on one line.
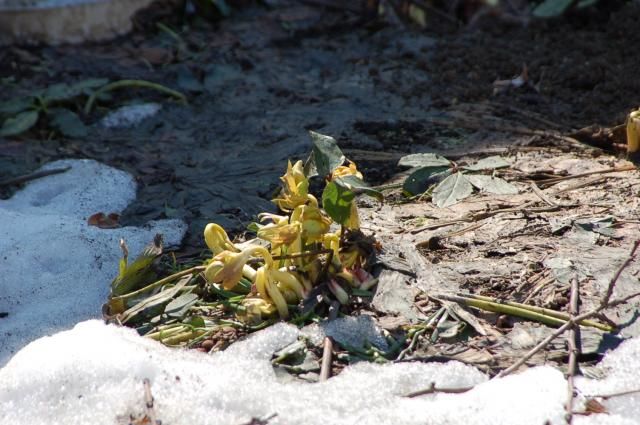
[[57, 92], [19, 124], [88, 86], [423, 160], [138, 273], [357, 186], [14, 106], [62, 91], [489, 163], [451, 190], [492, 184], [181, 305], [326, 155], [153, 305], [551, 8], [423, 178], [253, 227], [336, 201], [68, 123], [195, 321]]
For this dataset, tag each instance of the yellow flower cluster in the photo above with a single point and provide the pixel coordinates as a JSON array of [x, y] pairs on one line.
[[297, 241]]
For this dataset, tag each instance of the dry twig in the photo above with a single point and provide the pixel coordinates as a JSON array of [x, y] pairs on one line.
[[432, 390], [542, 195], [32, 176], [327, 355], [148, 403], [574, 350], [522, 208], [554, 180], [579, 317]]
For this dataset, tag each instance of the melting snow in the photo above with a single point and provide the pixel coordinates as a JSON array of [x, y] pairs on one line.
[[55, 269]]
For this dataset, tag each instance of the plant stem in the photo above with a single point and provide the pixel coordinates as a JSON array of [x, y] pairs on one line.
[[131, 83], [542, 315]]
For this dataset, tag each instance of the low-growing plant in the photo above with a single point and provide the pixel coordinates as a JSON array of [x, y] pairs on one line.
[[311, 247], [448, 183], [58, 104]]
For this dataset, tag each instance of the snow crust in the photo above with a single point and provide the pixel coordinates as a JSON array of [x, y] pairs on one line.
[[94, 372], [55, 269], [354, 331], [130, 115]]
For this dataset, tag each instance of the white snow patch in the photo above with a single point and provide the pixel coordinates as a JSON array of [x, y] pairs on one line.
[[131, 115], [94, 373], [354, 331], [55, 269]]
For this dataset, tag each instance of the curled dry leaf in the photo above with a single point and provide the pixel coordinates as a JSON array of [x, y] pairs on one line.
[[103, 221], [594, 406]]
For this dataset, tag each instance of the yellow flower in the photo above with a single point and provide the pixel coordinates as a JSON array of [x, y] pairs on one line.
[[277, 219], [633, 132], [353, 222], [256, 310], [279, 287], [268, 290], [279, 234], [314, 222], [295, 186], [309, 272], [350, 258], [288, 281], [332, 241], [217, 239], [227, 267], [343, 171]]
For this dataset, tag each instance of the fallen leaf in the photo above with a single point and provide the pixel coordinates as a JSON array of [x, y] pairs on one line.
[[111, 221]]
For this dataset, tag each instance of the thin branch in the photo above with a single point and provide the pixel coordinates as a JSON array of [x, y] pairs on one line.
[[542, 195], [574, 350], [473, 124], [554, 180], [623, 300], [608, 396], [302, 254], [32, 176], [522, 208], [148, 403], [412, 344], [616, 276], [433, 389], [327, 355]]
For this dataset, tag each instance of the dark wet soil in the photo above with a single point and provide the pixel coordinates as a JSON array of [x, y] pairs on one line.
[[259, 80]]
